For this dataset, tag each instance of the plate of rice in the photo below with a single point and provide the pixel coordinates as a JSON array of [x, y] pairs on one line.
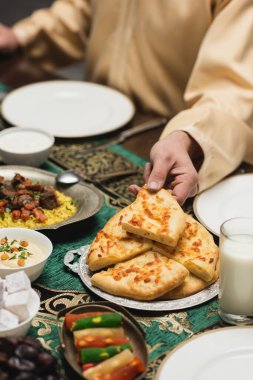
[[29, 198]]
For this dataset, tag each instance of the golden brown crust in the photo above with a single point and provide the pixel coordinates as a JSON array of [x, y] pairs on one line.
[[145, 277], [113, 244], [191, 285], [156, 216], [196, 250]]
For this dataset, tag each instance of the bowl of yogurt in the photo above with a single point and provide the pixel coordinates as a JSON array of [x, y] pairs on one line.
[[25, 146], [22, 249]]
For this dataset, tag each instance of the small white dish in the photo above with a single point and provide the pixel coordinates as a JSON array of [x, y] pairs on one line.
[[23, 327], [34, 237], [68, 108], [228, 199], [225, 353], [25, 146]]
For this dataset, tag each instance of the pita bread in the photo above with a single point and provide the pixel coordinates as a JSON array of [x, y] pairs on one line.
[[190, 286], [146, 277], [156, 216], [113, 244], [196, 250]]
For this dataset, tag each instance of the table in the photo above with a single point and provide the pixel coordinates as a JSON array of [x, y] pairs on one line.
[[17, 71], [164, 329]]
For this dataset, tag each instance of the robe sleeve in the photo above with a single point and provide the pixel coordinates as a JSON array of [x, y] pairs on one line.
[[56, 36], [219, 94]]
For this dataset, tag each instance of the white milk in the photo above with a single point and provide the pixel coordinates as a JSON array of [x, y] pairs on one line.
[[24, 141], [236, 275]]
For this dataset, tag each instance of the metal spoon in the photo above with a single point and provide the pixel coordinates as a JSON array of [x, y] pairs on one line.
[[67, 177]]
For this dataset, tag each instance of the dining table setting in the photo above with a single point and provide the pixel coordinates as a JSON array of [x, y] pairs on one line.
[[92, 144]]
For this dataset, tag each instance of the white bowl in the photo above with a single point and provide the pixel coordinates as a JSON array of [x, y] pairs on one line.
[[34, 237], [23, 327], [25, 146]]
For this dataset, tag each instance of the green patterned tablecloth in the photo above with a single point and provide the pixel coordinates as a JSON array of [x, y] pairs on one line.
[[59, 287]]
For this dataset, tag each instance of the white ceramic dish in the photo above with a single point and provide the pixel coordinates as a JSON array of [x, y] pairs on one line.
[[225, 353], [23, 327], [68, 108], [35, 237], [230, 198], [26, 146]]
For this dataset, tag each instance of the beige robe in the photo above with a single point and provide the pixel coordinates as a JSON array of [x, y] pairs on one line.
[[189, 58]]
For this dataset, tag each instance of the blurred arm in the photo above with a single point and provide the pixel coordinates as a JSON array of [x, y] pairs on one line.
[[56, 36]]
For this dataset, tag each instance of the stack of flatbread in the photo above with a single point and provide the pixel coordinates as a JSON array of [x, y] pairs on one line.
[[153, 250]]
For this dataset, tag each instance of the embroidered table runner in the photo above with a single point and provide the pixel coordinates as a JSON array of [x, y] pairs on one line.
[[58, 287]]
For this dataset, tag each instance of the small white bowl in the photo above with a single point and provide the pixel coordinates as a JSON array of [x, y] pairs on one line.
[[25, 146], [34, 237], [23, 327]]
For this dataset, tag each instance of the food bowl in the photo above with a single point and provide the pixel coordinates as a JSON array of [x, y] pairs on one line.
[[39, 245], [25, 146], [133, 331], [23, 327]]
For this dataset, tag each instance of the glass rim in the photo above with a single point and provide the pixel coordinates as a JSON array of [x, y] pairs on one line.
[[222, 227]]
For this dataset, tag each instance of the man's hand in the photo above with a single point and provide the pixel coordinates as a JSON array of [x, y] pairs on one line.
[[8, 40], [172, 166]]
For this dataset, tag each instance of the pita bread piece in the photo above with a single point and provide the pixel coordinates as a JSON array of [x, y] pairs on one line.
[[196, 250], [145, 277], [156, 216], [113, 244], [190, 286]]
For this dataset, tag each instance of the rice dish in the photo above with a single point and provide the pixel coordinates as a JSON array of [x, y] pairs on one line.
[[64, 211]]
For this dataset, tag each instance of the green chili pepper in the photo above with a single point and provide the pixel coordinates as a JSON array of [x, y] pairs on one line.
[[96, 355], [105, 320]]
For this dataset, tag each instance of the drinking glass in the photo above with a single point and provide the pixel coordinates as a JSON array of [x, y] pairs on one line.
[[236, 271]]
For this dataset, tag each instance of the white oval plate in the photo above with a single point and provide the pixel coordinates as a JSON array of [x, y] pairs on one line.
[[232, 197], [162, 305], [68, 108], [220, 354]]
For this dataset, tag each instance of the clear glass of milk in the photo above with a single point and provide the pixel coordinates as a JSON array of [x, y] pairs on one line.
[[236, 271]]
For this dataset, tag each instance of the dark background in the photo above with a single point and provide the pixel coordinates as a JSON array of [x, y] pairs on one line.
[[12, 11]]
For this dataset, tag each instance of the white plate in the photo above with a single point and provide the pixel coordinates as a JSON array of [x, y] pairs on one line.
[[221, 354], [68, 108], [232, 197], [162, 305]]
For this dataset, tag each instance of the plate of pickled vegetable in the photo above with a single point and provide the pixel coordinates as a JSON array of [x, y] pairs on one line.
[[102, 341]]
